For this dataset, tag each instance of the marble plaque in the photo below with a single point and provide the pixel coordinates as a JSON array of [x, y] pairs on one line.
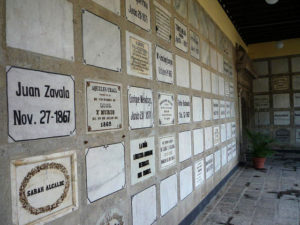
[[180, 7], [113, 5], [282, 118], [232, 105], [261, 85], [43, 188], [231, 90], [105, 51], [221, 86], [138, 12], [211, 31], [163, 22], [226, 89], [108, 159], [140, 107], [280, 83], [193, 8], [40, 104], [104, 106], [262, 118], [195, 44], [296, 99], [203, 22], [198, 141], [261, 67], [295, 64], [261, 102], [186, 182], [184, 109], [30, 30], [144, 207], [222, 110], [228, 130], [217, 156], [197, 109], [228, 109], [166, 109], [208, 135], [233, 129], [206, 80], [297, 117], [199, 173], [223, 133], [215, 83], [139, 56], [168, 194], [279, 66], [181, 36], [297, 136], [224, 156], [220, 63], [281, 101], [185, 145], [204, 52], [213, 59], [142, 158], [217, 137], [283, 135], [196, 77], [296, 82], [216, 113], [167, 147], [182, 72], [207, 109], [229, 152], [164, 66], [227, 68], [209, 166]]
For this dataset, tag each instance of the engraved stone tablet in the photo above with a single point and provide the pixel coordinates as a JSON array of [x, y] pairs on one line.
[[196, 77], [280, 83], [163, 22], [297, 117], [213, 59], [105, 51], [30, 30], [261, 85], [184, 109], [185, 145], [167, 151], [282, 135], [40, 104], [282, 118], [228, 130], [140, 107], [43, 188], [207, 109], [181, 39], [108, 159], [224, 156], [209, 166], [182, 72], [138, 12], [139, 56], [206, 80], [232, 105], [204, 52], [279, 66], [226, 89], [199, 173], [214, 84], [296, 99], [220, 63], [295, 64], [228, 109], [227, 68], [164, 66], [112, 5], [231, 90], [142, 158], [216, 109], [208, 137], [198, 141], [262, 118], [193, 7], [261, 102], [195, 44], [296, 82], [168, 194], [233, 129], [216, 135], [222, 110], [261, 67], [180, 7], [197, 109], [186, 182], [166, 109], [104, 106], [211, 31], [297, 136], [281, 101], [221, 86], [203, 22], [217, 157], [223, 133]]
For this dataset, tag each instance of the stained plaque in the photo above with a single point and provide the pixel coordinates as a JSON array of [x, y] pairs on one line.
[[186, 182], [262, 118], [227, 68], [197, 109], [279, 66], [199, 172], [204, 52], [261, 102], [138, 12], [282, 118], [163, 22], [209, 166], [166, 109], [280, 83], [193, 8], [198, 141], [181, 36], [281, 100], [168, 194], [195, 45], [185, 145], [167, 151], [261, 67], [184, 109], [261, 85], [181, 7], [164, 66]]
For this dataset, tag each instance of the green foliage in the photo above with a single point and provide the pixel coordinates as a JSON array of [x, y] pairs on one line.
[[260, 144]]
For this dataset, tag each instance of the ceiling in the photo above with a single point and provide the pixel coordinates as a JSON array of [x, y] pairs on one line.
[[256, 21]]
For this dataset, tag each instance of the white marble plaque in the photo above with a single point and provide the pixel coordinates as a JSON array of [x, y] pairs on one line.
[[222, 110], [40, 104], [180, 7], [261, 85], [297, 136], [228, 130], [231, 90], [216, 112], [232, 105], [186, 182], [262, 118], [168, 194], [207, 109], [112, 5], [163, 22], [209, 166], [166, 109], [227, 66], [198, 141], [193, 8], [104, 106], [105, 51], [195, 45], [164, 66], [167, 151], [233, 129], [208, 135], [279, 66], [181, 36], [139, 56], [206, 80], [30, 30], [221, 86], [281, 101], [43, 188], [182, 72], [203, 22], [228, 109], [261, 67], [220, 63], [199, 173], [224, 156], [108, 159], [142, 158], [185, 145], [196, 77], [296, 99], [282, 118], [226, 89], [211, 31], [215, 84], [213, 59], [184, 109], [217, 137], [223, 133], [297, 117], [280, 83], [295, 64], [296, 82], [204, 52], [197, 109], [144, 207], [140, 107], [217, 156], [261, 102], [138, 12]]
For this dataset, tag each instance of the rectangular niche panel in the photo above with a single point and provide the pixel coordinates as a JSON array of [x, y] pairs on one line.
[[296, 82], [261, 85], [279, 66], [224, 156], [185, 145], [142, 156], [138, 12], [207, 109], [209, 166], [197, 109], [296, 99], [196, 77], [112, 5], [186, 182], [138, 56], [228, 109], [206, 80], [215, 84], [163, 22], [216, 109], [164, 65], [220, 63], [167, 151], [166, 109], [261, 67], [295, 64], [193, 7], [105, 51], [226, 89], [44, 187], [208, 135], [228, 130], [30, 30], [261, 102], [222, 110], [297, 117], [283, 135], [282, 118], [168, 194], [297, 136], [198, 141], [281, 83], [281, 101], [213, 59], [217, 137], [181, 36], [199, 173], [217, 160], [182, 72], [195, 45], [221, 86], [180, 7], [204, 52], [223, 133], [262, 118], [108, 159], [184, 109]]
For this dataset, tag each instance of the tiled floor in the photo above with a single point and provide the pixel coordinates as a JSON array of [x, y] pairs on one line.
[[258, 197]]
